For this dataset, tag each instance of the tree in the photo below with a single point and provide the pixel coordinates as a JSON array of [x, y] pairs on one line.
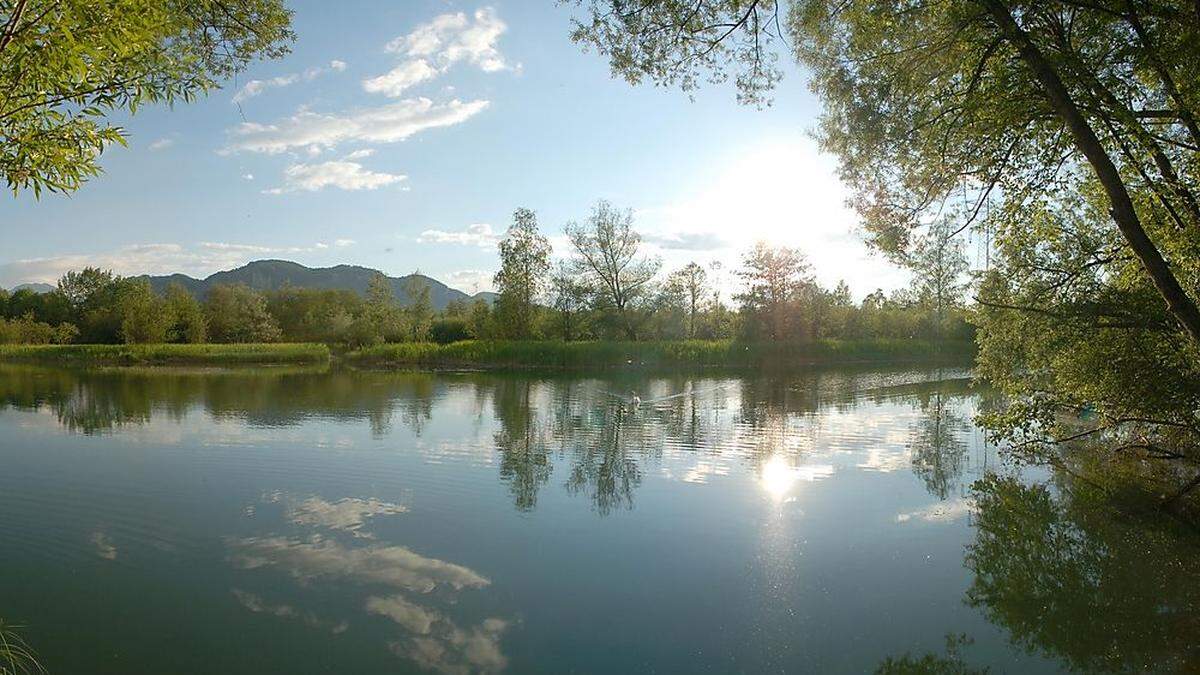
[[144, 319], [606, 247], [480, 321], [66, 65], [92, 295], [382, 310], [938, 264], [524, 263], [568, 297], [774, 278], [419, 309], [237, 313], [689, 283], [184, 316]]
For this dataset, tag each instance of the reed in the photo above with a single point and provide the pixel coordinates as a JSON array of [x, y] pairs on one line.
[[168, 354], [676, 354]]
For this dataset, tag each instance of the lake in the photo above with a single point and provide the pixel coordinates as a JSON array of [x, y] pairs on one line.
[[307, 521]]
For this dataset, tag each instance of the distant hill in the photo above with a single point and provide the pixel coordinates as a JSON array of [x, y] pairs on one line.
[[270, 275], [36, 288]]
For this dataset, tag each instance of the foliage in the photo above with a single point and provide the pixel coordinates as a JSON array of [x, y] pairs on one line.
[[144, 319], [186, 323], [419, 311], [775, 280], [67, 65], [678, 42], [569, 299], [687, 289], [521, 280], [445, 331], [236, 313]]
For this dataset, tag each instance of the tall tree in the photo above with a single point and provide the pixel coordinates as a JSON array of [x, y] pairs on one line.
[[185, 317], [938, 264], [383, 312], [67, 65], [524, 264], [606, 246], [774, 280], [568, 296], [691, 284], [144, 319], [419, 309]]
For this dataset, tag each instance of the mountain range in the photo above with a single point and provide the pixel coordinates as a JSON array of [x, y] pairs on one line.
[[270, 275]]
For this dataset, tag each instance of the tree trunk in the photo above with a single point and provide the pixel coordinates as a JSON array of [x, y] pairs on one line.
[[1181, 306]]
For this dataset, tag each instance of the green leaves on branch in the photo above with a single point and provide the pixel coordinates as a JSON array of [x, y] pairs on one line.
[[67, 65]]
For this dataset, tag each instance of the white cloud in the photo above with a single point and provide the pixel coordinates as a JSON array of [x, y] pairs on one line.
[[162, 144], [339, 174], [395, 81], [247, 176], [342, 243], [478, 234], [469, 281], [431, 48], [450, 38], [360, 154], [384, 124], [255, 87]]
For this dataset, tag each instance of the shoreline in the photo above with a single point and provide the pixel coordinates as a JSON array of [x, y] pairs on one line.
[[492, 356]]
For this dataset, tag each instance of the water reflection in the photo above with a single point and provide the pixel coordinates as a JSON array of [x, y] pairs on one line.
[[394, 582], [479, 522], [1073, 579]]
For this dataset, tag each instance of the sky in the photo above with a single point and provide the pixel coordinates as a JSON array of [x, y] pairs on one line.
[[401, 136]]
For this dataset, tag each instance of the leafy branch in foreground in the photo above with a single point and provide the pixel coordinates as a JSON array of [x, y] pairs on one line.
[[66, 65]]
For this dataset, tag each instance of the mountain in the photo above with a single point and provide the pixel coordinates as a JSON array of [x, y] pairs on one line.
[[36, 288], [270, 275]]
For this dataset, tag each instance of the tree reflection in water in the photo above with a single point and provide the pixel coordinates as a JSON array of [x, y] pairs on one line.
[[936, 444], [1072, 579]]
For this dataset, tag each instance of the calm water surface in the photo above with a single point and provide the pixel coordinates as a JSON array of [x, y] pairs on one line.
[[341, 522]]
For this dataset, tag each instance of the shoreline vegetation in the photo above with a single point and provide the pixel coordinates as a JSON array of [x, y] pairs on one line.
[[503, 354]]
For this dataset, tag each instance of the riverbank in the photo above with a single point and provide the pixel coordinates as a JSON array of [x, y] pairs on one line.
[[502, 355], [168, 354], [673, 355]]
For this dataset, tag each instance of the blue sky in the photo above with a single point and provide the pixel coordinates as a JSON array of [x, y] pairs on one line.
[[401, 136]]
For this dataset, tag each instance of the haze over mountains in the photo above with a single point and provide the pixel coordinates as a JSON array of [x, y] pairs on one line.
[[270, 275]]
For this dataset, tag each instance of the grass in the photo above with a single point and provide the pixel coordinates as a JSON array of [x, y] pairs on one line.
[[678, 354], [16, 657], [208, 354]]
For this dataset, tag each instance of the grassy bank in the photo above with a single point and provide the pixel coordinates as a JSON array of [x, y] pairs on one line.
[[681, 354], [198, 355]]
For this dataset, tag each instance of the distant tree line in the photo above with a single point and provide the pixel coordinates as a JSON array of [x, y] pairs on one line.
[[607, 288]]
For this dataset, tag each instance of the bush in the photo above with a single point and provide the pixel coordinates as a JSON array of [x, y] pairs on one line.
[[445, 331]]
